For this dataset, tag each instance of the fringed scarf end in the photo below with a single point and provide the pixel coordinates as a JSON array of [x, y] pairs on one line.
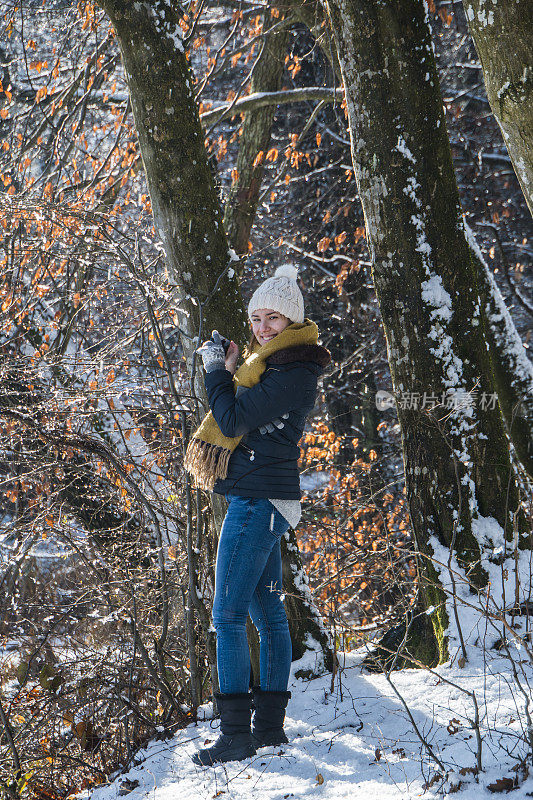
[[206, 462]]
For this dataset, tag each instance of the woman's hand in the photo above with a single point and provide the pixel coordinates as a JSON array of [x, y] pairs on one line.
[[232, 357]]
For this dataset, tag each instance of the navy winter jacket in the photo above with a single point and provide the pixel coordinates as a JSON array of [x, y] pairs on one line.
[[266, 465]]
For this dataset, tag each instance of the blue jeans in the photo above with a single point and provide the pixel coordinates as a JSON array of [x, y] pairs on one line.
[[248, 580]]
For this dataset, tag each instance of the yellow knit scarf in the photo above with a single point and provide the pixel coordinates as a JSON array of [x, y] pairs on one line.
[[209, 451]]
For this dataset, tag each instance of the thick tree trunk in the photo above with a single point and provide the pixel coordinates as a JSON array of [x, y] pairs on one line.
[[185, 205], [457, 463], [502, 33], [186, 209]]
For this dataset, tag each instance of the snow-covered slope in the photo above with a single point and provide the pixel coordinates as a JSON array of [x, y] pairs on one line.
[[358, 742]]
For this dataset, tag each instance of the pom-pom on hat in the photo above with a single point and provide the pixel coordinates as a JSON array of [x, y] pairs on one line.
[[280, 293]]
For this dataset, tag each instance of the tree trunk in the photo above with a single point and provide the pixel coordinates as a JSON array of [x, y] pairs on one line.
[[502, 33], [311, 14], [185, 205], [186, 209], [255, 139], [457, 463], [511, 367], [311, 642]]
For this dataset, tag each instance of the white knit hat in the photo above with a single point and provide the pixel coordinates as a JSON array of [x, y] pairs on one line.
[[280, 293]]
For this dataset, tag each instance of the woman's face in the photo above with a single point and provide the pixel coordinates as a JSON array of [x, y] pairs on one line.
[[267, 323]]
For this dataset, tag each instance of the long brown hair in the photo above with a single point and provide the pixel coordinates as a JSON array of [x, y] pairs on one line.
[[248, 349]]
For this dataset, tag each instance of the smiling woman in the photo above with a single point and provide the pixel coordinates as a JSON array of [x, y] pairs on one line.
[[247, 449], [266, 324]]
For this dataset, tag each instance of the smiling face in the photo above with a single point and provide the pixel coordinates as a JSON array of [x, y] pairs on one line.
[[266, 324]]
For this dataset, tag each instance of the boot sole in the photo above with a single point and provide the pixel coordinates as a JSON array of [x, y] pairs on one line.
[[273, 743], [229, 755]]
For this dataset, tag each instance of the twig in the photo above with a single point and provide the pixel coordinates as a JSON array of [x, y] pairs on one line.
[[10, 739]]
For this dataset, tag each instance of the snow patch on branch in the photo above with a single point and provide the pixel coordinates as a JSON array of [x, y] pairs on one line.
[[523, 171], [411, 191], [501, 92], [422, 244], [503, 327], [440, 303]]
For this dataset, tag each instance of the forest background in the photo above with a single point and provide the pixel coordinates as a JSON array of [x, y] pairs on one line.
[[107, 549]]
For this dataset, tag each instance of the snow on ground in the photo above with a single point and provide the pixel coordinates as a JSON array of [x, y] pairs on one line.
[[356, 742]]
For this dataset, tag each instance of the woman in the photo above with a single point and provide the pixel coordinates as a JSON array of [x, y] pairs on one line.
[[247, 449]]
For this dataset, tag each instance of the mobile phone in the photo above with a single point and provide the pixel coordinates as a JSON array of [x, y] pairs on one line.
[[225, 343]]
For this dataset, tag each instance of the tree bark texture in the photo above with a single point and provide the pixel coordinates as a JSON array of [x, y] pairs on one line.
[[511, 367], [310, 639], [185, 205], [457, 463], [186, 209], [311, 14], [502, 31]]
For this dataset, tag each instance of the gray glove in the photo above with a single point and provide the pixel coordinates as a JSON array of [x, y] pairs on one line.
[[269, 427], [213, 352]]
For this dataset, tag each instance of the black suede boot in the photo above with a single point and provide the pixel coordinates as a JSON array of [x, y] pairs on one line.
[[235, 740], [269, 717]]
